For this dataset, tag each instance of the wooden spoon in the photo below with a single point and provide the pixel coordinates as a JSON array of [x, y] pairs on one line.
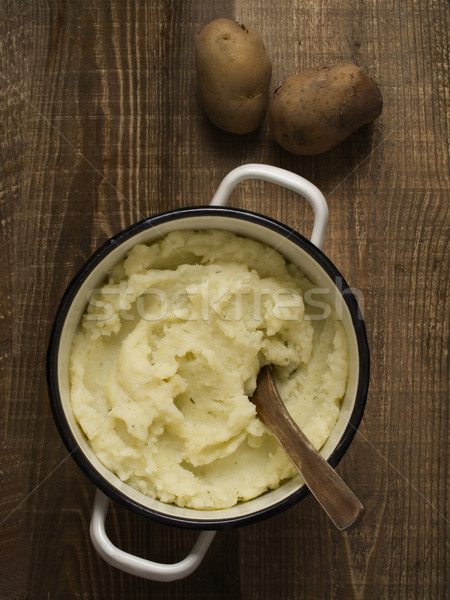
[[338, 501]]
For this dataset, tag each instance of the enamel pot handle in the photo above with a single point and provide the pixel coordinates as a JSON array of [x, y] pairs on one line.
[[286, 179], [135, 565]]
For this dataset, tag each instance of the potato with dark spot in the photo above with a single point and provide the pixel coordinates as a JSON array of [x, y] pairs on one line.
[[315, 110], [233, 75]]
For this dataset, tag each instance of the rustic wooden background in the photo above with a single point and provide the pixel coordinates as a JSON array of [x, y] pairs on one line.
[[99, 127]]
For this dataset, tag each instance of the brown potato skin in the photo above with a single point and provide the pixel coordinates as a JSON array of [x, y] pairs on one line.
[[315, 110], [233, 75]]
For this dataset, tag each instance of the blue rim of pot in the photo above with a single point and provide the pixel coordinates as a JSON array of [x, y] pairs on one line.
[[57, 409]]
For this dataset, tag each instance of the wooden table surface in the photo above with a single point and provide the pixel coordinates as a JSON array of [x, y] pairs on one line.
[[99, 127]]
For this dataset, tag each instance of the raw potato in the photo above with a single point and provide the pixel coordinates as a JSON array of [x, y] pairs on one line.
[[315, 110], [233, 75]]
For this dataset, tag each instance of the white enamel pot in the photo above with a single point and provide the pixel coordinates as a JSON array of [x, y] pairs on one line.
[[307, 255]]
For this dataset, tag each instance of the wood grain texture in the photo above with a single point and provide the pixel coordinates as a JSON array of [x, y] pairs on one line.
[[99, 127]]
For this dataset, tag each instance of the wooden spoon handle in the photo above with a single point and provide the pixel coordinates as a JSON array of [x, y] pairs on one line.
[[338, 501]]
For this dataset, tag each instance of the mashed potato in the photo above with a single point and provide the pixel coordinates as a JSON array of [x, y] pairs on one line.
[[168, 353]]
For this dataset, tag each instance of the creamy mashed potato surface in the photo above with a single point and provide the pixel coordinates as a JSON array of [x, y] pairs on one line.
[[167, 355]]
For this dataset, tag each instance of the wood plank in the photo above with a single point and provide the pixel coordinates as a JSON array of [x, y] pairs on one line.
[[100, 126]]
